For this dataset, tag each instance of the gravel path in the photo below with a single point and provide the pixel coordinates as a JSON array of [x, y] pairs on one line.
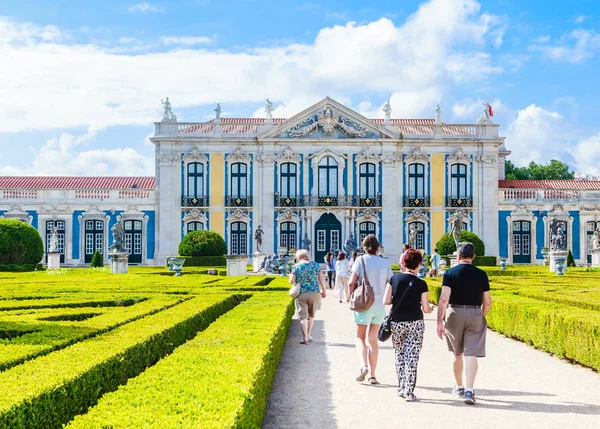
[[517, 386]]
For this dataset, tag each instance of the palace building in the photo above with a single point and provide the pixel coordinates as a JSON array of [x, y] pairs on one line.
[[321, 175]]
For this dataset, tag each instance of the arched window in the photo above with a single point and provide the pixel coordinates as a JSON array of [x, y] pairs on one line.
[[288, 237], [288, 180], [458, 181], [195, 226], [328, 177], [416, 181], [195, 175], [367, 180], [239, 180], [239, 238], [364, 229]]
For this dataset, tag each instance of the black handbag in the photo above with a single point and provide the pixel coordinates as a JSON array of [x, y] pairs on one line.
[[385, 330]]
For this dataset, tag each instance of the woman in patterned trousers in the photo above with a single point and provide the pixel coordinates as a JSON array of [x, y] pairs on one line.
[[409, 297]]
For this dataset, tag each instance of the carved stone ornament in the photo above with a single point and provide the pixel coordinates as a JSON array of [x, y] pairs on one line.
[[485, 160], [416, 216], [94, 209], [522, 209], [195, 215], [195, 155], [417, 155], [367, 215], [16, 209], [462, 215], [367, 154], [329, 119], [168, 158], [390, 159], [287, 215], [459, 156], [288, 155], [265, 158], [238, 155], [557, 208], [57, 209], [591, 208], [238, 216]]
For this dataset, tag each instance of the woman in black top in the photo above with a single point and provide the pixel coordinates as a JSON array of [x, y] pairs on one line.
[[409, 297]]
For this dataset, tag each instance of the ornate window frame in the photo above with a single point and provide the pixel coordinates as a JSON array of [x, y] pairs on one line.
[[193, 215], [288, 215], [418, 216], [93, 213], [238, 215], [459, 157], [133, 213], [314, 163], [289, 156], [196, 155], [367, 156], [239, 156]]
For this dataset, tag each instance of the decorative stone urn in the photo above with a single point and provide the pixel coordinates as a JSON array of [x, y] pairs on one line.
[[556, 256], [53, 260], [502, 264], [546, 254], [176, 264]]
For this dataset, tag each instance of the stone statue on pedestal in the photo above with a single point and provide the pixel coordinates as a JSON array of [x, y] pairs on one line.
[[387, 108], [269, 109], [118, 245], [258, 237], [350, 246], [596, 239], [456, 225], [306, 242], [167, 106], [438, 114], [412, 235], [558, 236], [484, 118], [53, 246], [218, 111]]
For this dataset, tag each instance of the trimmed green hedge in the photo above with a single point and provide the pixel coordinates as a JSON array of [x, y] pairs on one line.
[[566, 332], [485, 261], [203, 261], [202, 243], [21, 268], [49, 391], [447, 246], [20, 243], [220, 379]]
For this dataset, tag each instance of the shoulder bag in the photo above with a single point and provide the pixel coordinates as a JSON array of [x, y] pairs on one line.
[[295, 289], [385, 330], [363, 295]]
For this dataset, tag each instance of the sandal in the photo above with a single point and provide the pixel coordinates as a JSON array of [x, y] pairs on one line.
[[303, 342], [373, 381], [410, 398]]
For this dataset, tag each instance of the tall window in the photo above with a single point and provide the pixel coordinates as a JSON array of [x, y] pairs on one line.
[[328, 177], [288, 180], [416, 181], [133, 239], [458, 180], [420, 227], [365, 228], [60, 226], [288, 235], [367, 180], [239, 180], [94, 238], [195, 226], [195, 174], [239, 238]]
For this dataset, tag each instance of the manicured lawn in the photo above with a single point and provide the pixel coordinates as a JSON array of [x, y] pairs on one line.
[[85, 348], [560, 315]]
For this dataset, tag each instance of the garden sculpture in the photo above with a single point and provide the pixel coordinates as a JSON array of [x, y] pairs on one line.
[[412, 235], [53, 246], [258, 237], [350, 246], [118, 233], [269, 109], [558, 237], [596, 239], [306, 242], [167, 106], [388, 110]]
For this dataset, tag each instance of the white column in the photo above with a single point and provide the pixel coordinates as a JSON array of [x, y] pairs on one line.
[[267, 207], [487, 229], [391, 204], [168, 190]]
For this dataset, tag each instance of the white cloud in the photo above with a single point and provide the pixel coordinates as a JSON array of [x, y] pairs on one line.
[[468, 110], [587, 155], [541, 39], [142, 7], [186, 40], [58, 86], [538, 135], [18, 33], [578, 19], [127, 39], [64, 156], [574, 47]]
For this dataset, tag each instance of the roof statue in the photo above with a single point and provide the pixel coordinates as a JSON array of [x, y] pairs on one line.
[[438, 114], [168, 113], [218, 111], [484, 118], [269, 109], [387, 108]]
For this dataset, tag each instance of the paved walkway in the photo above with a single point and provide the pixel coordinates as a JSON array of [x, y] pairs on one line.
[[517, 386]]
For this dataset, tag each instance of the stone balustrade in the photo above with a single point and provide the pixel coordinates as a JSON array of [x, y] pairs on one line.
[[539, 194], [24, 195]]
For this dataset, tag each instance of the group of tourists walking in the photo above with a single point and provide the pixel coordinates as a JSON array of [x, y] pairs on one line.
[[369, 284]]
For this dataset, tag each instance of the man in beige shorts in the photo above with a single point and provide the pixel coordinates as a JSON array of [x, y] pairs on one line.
[[463, 304]]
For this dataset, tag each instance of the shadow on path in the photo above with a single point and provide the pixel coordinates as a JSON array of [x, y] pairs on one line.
[[301, 393]]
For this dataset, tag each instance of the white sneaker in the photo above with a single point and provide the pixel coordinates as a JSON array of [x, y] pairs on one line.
[[363, 373]]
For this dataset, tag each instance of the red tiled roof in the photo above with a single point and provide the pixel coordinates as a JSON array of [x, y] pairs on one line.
[[62, 182], [550, 184]]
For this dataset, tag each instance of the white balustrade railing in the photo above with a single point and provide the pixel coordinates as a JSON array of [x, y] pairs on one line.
[[20, 194], [538, 194], [76, 195]]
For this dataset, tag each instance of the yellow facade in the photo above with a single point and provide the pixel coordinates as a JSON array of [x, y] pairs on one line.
[[437, 227], [217, 192], [437, 180]]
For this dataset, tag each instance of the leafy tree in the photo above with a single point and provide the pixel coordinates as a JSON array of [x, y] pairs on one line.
[[554, 170], [97, 260], [202, 243], [20, 243], [446, 245], [570, 260]]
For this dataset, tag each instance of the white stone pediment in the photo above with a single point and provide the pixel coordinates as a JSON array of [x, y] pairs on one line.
[[328, 119]]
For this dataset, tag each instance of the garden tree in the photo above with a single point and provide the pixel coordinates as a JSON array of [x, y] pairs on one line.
[[446, 245], [555, 170], [97, 260], [570, 260], [202, 243], [20, 243]]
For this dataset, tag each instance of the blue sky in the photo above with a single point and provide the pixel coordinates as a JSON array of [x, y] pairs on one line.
[[82, 81]]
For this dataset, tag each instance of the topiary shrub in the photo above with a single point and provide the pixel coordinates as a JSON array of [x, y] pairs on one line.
[[446, 244], [20, 243], [202, 243], [571, 260], [97, 260]]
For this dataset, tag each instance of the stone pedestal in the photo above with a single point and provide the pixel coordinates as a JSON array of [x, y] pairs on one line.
[[119, 263], [53, 260], [236, 265], [596, 258], [453, 259], [257, 258], [560, 255]]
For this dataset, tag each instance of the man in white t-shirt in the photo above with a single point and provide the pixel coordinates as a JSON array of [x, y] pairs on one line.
[[367, 322]]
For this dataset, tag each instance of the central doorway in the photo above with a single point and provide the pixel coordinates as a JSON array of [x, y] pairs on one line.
[[328, 231]]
